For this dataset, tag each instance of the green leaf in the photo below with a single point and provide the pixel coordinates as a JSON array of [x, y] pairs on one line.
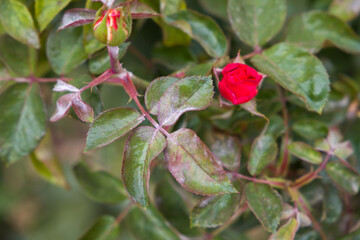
[[105, 228], [228, 150], [65, 50], [193, 165], [256, 21], [265, 203], [149, 225], [18, 23], [143, 145], [46, 163], [276, 126], [251, 108], [172, 6], [201, 28], [297, 71], [155, 91], [165, 56], [100, 62], [91, 44], [287, 231], [170, 202], [346, 10], [263, 151], [333, 205], [305, 152], [111, 125], [310, 30], [23, 124], [187, 94], [99, 186], [344, 177], [215, 7], [214, 211], [46, 10], [310, 129], [18, 58]]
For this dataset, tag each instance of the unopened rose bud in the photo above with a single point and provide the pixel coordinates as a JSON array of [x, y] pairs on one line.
[[113, 26]]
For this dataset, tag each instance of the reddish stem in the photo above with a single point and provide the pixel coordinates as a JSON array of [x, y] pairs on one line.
[[284, 167], [314, 174], [124, 213], [255, 52], [102, 78], [255, 180], [315, 223]]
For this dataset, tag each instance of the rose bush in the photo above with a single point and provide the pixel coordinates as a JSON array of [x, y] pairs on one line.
[[124, 104]]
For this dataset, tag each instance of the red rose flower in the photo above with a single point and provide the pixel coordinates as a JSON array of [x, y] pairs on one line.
[[239, 83]]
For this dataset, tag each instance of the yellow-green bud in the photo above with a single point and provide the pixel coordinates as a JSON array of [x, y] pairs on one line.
[[113, 26]]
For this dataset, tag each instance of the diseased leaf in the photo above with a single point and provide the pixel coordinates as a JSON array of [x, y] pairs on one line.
[[46, 10], [111, 125], [310, 30], [344, 177], [214, 211], [149, 225], [263, 151], [99, 186], [310, 129], [201, 28], [18, 58], [155, 91], [76, 17], [140, 10], [63, 105], [256, 21], [62, 86], [287, 231], [227, 149], [187, 94], [105, 228], [193, 165], [143, 145], [342, 150], [65, 50], [18, 23], [82, 109], [265, 203], [297, 71], [22, 123], [305, 152]]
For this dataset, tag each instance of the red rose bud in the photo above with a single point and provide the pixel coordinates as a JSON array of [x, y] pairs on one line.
[[239, 83], [113, 26]]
